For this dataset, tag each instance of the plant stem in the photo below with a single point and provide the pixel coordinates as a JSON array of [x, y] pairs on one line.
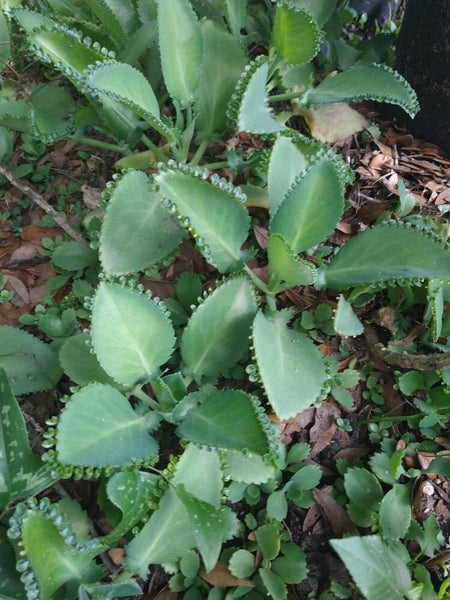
[[123, 149], [394, 419], [141, 395], [40, 201], [271, 302], [259, 283], [199, 153], [217, 165], [154, 148], [284, 97]]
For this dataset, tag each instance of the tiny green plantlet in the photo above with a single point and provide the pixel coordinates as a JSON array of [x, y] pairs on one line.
[[217, 368]]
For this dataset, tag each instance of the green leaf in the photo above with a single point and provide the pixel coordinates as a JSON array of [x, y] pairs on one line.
[[290, 365], [321, 10], [6, 145], [286, 164], [345, 321], [377, 570], [386, 252], [110, 591], [52, 106], [181, 47], [306, 477], [277, 506], [190, 562], [379, 463], [73, 256], [429, 535], [218, 220], [31, 365], [242, 564], [226, 419], [21, 472], [311, 208], [112, 435], [363, 488], [208, 524], [116, 16], [11, 587], [395, 512], [223, 63], [216, 336], [60, 47], [274, 585], [131, 492], [131, 335], [55, 563], [250, 468], [268, 540], [290, 571], [236, 15], [249, 109], [169, 532], [122, 83], [188, 289], [296, 35], [79, 364], [286, 266], [5, 43], [137, 231], [369, 82]]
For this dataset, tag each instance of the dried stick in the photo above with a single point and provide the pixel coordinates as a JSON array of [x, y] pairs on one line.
[[419, 362], [39, 200]]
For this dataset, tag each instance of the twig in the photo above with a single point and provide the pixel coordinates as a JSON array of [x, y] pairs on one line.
[[25, 262], [419, 362], [39, 200]]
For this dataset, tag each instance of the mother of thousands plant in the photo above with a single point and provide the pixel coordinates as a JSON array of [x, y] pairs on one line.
[[145, 367]]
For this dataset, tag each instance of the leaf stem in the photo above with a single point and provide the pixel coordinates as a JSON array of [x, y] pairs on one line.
[[284, 97], [217, 165], [154, 148], [139, 393], [258, 282], [123, 149], [199, 153]]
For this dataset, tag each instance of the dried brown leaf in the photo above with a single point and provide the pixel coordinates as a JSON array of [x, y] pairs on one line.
[[334, 514], [221, 576]]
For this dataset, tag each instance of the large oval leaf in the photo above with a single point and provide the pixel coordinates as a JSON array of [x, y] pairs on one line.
[[296, 35], [218, 220], [216, 336], [22, 474], [368, 82], [57, 563], [286, 164], [169, 533], [377, 570], [137, 230], [181, 47], [311, 208], [387, 252], [249, 108], [124, 82], [99, 428], [80, 364], [226, 419], [131, 335], [286, 266], [223, 63], [118, 83], [31, 365], [290, 365]]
